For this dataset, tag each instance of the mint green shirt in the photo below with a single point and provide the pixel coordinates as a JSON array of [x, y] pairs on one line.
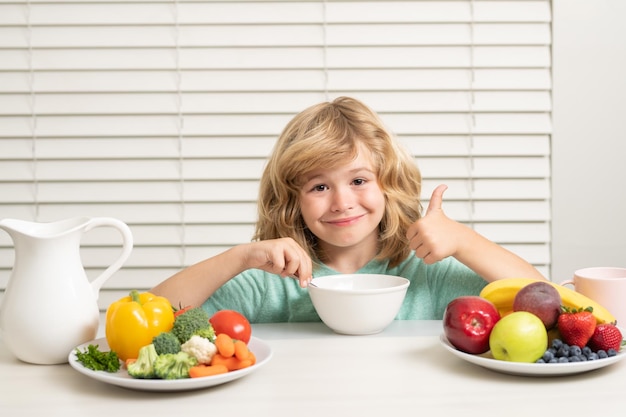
[[267, 298]]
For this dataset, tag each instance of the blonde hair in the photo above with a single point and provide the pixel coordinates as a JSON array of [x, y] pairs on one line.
[[325, 136]]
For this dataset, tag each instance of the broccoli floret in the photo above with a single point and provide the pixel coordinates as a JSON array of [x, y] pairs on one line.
[[143, 367], [190, 322], [166, 342], [174, 365], [208, 333]]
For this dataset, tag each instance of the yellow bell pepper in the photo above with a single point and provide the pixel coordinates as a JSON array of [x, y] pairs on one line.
[[133, 321]]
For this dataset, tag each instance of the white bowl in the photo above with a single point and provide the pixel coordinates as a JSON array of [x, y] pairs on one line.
[[358, 304]]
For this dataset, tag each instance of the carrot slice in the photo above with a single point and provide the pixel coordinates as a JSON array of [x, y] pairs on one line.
[[225, 345], [199, 371], [241, 350], [231, 362], [244, 363]]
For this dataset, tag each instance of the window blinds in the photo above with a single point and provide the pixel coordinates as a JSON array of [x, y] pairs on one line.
[[162, 113]]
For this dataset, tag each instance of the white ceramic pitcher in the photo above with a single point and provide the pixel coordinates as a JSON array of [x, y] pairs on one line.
[[50, 306]]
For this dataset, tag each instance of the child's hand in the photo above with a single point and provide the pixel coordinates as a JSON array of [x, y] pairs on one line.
[[283, 257], [434, 236]]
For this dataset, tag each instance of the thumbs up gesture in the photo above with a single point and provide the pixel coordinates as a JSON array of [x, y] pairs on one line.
[[436, 200], [434, 236]]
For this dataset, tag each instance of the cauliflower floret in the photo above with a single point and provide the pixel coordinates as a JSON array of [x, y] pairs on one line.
[[200, 348]]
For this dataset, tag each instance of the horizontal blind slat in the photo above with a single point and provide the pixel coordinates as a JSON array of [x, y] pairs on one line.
[[364, 34], [256, 147], [340, 57], [246, 191], [253, 124], [99, 13], [130, 192], [136, 148], [215, 212], [416, 79], [219, 103], [444, 11], [251, 169], [493, 145]]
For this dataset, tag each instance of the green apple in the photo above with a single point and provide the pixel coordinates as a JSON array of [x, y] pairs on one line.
[[518, 337]]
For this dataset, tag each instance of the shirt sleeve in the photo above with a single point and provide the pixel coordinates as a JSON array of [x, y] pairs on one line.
[[243, 293]]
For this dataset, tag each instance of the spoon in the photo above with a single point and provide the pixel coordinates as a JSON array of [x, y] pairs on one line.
[[296, 276]]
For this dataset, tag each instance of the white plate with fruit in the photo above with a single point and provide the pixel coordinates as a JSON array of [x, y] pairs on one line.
[[510, 328], [486, 360]]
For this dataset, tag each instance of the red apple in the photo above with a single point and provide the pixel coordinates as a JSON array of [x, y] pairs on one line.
[[467, 323]]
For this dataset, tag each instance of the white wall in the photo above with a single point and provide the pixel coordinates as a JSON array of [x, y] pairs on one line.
[[589, 140]]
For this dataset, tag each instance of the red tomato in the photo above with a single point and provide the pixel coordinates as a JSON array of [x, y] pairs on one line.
[[181, 311], [233, 323]]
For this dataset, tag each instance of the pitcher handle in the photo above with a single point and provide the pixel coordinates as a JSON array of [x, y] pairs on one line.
[[568, 282], [127, 247]]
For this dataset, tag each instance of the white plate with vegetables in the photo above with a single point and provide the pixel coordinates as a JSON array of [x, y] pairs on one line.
[[261, 350]]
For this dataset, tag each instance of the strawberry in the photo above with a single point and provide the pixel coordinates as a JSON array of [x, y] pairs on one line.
[[606, 336], [576, 325]]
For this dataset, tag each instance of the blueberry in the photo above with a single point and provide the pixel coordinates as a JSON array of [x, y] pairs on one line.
[[611, 352], [575, 350], [602, 354], [574, 359], [557, 343], [563, 351], [592, 356], [563, 359], [548, 355], [586, 350]]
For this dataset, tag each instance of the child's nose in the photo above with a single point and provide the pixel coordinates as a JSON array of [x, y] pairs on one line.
[[341, 201]]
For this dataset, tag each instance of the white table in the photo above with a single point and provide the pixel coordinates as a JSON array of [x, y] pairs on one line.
[[314, 372]]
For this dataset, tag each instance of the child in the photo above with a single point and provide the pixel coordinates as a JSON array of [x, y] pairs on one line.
[[339, 195]]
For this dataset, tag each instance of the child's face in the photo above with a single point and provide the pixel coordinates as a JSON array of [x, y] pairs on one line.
[[343, 206]]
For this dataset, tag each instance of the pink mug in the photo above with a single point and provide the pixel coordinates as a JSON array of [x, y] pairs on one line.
[[604, 285]]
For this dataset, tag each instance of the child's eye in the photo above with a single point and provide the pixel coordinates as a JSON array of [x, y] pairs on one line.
[[359, 181], [320, 187]]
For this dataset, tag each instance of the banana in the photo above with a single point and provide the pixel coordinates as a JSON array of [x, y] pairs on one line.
[[502, 293]]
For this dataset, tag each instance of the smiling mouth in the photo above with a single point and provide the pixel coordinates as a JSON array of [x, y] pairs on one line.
[[345, 221]]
